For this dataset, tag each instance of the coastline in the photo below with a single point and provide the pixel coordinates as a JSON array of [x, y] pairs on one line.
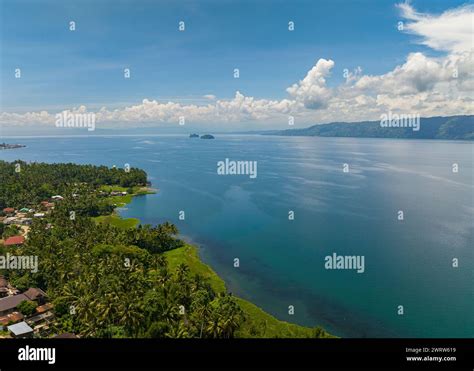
[[258, 323]]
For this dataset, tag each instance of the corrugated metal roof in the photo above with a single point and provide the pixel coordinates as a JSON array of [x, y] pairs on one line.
[[20, 328]]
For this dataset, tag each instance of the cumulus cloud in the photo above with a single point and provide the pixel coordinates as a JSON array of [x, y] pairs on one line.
[[418, 74], [312, 90]]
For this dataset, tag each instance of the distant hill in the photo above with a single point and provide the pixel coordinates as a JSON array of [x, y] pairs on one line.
[[452, 127]]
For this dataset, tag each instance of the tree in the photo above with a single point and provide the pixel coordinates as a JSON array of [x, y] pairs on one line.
[[27, 307]]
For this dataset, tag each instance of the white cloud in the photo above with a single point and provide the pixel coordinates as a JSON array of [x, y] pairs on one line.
[[450, 31], [418, 74], [312, 90]]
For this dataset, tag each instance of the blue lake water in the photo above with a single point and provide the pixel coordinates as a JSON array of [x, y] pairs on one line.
[[407, 262]]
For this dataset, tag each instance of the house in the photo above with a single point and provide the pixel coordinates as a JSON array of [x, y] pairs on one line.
[[35, 294], [40, 318], [26, 221], [10, 220], [44, 308], [14, 241], [10, 319], [9, 211], [57, 197], [9, 303], [38, 215], [47, 204], [24, 210], [20, 330]]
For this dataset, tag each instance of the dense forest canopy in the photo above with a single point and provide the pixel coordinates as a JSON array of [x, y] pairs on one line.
[[24, 184]]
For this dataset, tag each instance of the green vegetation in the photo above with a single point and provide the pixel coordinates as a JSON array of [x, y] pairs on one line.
[[9, 231], [27, 307], [188, 255], [257, 323], [28, 184], [108, 277], [454, 127], [117, 221]]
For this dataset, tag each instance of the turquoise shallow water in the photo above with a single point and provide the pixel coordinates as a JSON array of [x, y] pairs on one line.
[[282, 262]]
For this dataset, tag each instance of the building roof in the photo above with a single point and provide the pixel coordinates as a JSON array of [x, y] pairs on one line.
[[44, 308], [3, 282], [14, 240], [21, 328], [11, 302], [34, 293], [12, 317], [8, 210]]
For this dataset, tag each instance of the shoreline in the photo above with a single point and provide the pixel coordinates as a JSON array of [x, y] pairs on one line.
[[189, 254]]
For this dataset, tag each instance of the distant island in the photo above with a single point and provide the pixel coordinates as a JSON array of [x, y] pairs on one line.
[[207, 136], [448, 128], [11, 146], [194, 135]]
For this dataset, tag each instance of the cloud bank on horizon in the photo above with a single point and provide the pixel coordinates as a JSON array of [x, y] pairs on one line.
[[439, 85]]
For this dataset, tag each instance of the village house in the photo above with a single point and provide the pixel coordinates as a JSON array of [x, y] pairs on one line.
[[10, 220], [9, 303], [14, 241], [10, 319], [36, 294], [25, 221], [42, 319], [9, 211], [20, 330], [47, 205]]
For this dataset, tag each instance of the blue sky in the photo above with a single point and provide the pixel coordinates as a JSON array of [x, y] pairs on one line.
[[64, 69]]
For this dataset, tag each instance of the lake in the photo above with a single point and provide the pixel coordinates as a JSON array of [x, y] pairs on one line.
[[408, 262]]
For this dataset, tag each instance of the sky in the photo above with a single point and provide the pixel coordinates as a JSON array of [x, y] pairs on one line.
[[343, 61]]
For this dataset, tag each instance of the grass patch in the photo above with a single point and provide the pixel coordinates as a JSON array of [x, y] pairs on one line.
[[258, 323], [117, 221], [188, 254], [121, 201]]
